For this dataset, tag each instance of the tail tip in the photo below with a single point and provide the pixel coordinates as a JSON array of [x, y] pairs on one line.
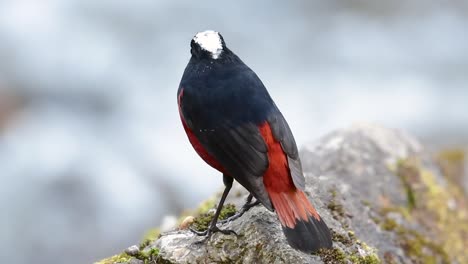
[[309, 236]]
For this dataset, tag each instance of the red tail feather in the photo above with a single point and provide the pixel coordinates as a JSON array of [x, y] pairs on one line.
[[292, 207], [290, 203], [301, 223]]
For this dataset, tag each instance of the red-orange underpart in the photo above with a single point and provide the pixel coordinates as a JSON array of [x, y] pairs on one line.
[[290, 203]]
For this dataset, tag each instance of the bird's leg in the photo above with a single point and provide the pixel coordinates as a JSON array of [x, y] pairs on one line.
[[248, 204], [213, 228]]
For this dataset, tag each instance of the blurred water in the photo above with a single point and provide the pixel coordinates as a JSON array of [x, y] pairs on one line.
[[95, 154]]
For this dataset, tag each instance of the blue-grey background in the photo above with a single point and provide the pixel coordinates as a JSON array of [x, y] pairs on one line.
[[92, 152]]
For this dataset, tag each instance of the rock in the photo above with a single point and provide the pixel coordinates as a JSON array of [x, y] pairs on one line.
[[382, 196], [132, 250]]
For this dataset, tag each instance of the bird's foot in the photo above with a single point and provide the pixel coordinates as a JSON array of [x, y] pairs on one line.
[[246, 207], [210, 231]]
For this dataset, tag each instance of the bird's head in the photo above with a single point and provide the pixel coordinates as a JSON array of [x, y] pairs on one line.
[[208, 44]]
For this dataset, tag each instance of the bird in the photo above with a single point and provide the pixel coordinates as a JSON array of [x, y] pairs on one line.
[[235, 126]]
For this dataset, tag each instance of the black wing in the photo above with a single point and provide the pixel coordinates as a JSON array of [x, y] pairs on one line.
[[283, 134], [242, 152]]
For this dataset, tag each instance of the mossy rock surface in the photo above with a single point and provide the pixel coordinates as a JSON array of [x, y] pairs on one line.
[[383, 197]]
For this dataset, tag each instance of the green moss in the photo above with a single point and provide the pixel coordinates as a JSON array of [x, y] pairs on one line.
[[369, 259], [204, 207], [338, 256], [449, 223], [366, 203], [120, 258], [416, 246], [336, 208], [420, 248], [149, 256], [370, 256], [388, 224], [227, 211], [203, 216], [408, 174], [201, 222], [333, 255], [150, 236], [346, 240], [376, 219], [452, 164], [440, 210], [453, 155]]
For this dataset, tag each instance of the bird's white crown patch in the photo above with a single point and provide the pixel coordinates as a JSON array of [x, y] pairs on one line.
[[210, 41]]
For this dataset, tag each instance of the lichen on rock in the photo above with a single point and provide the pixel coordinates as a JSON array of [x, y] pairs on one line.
[[202, 221], [436, 226]]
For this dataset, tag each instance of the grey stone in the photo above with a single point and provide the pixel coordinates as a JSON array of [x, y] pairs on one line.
[[349, 169], [132, 250]]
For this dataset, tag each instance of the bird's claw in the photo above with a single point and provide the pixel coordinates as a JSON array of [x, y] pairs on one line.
[[210, 231], [243, 210], [199, 233], [231, 218]]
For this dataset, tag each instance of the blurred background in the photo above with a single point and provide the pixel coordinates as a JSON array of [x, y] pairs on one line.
[[92, 152]]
